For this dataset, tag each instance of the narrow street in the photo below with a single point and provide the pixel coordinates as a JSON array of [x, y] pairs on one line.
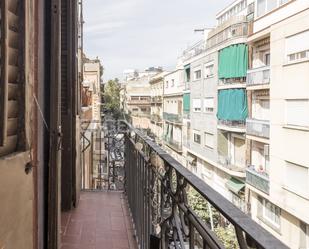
[[101, 221]]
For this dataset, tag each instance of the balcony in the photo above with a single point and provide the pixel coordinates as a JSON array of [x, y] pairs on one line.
[[140, 114], [234, 126], [173, 144], [186, 115], [234, 28], [234, 170], [258, 128], [138, 101], [258, 77], [156, 118], [173, 118], [101, 221], [232, 83], [156, 100], [259, 180], [155, 209]]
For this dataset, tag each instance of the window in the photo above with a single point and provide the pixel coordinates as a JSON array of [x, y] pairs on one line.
[[209, 104], [11, 75], [196, 105], [209, 70], [261, 7], [197, 74], [209, 140], [166, 84], [269, 213], [197, 138], [297, 112], [297, 47], [297, 179], [172, 83], [271, 4]]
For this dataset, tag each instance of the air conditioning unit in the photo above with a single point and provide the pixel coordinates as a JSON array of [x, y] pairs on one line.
[[266, 150]]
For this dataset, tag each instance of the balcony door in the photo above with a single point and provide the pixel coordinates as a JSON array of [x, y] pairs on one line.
[[238, 151]]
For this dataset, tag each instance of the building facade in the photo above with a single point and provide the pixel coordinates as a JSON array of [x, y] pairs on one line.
[[215, 76], [277, 127], [156, 113], [172, 113]]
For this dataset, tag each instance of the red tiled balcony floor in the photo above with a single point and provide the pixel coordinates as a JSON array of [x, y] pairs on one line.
[[101, 221]]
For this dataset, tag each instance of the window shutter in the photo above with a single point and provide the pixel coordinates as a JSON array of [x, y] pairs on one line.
[[11, 74]]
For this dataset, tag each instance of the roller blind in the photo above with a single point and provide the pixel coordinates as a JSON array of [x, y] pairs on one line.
[[297, 43], [209, 103], [196, 104], [11, 75], [297, 112], [297, 178]]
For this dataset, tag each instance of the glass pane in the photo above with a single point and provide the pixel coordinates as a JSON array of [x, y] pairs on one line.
[[261, 7]]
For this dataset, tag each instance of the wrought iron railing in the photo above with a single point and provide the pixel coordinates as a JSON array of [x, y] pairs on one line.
[[258, 76], [157, 188], [258, 128]]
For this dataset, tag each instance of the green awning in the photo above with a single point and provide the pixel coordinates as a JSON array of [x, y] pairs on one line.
[[235, 185], [232, 105], [186, 102], [233, 61]]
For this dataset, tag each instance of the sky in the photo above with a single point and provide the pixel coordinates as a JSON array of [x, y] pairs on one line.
[[136, 34]]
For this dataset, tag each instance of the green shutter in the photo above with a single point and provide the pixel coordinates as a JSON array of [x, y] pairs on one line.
[[233, 61], [186, 102], [232, 105]]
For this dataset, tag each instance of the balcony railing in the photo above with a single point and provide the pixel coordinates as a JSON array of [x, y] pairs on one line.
[[225, 161], [156, 100], [138, 101], [237, 124], [157, 189], [140, 114], [259, 128], [176, 145], [171, 117], [232, 82], [194, 50], [259, 180], [235, 27], [258, 76], [186, 114], [156, 118]]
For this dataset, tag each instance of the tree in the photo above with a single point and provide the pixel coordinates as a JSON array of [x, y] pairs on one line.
[[216, 222], [112, 97]]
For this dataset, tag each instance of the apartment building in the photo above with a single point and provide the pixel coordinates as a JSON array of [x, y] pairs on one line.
[[278, 122], [156, 113], [172, 112], [216, 104], [138, 96]]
